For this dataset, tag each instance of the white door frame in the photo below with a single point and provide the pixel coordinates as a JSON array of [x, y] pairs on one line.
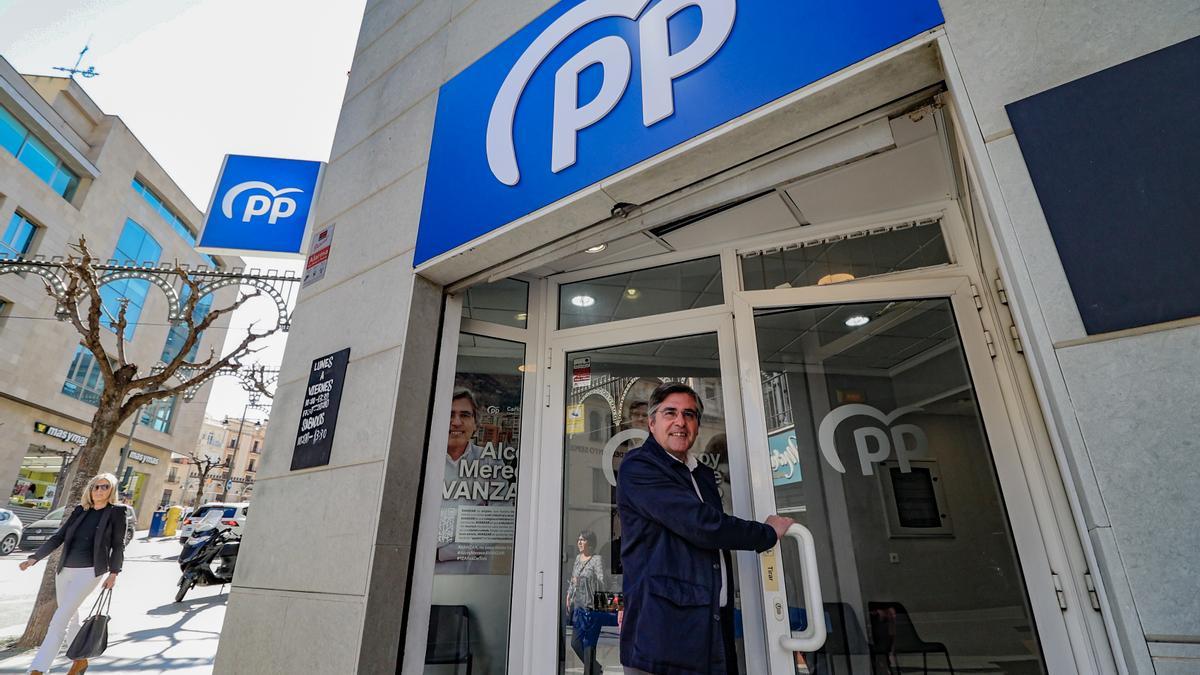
[[718, 320], [1018, 502]]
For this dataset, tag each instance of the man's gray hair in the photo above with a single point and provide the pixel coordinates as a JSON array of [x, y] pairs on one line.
[[662, 391]]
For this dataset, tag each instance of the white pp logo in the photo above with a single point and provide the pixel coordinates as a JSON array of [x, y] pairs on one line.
[[272, 203], [867, 458], [659, 68]]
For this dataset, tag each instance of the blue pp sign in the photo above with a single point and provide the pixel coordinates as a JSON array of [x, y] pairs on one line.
[[592, 87], [261, 206]]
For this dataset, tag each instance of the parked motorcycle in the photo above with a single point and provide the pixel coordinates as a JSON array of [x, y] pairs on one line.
[[207, 559]]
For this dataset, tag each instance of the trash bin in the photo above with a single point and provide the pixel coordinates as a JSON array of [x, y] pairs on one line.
[[173, 514], [157, 522]]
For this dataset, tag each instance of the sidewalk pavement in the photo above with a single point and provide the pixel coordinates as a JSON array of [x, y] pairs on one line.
[[148, 633]]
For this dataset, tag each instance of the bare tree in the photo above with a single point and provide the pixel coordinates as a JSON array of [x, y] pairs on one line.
[[204, 466], [127, 386]]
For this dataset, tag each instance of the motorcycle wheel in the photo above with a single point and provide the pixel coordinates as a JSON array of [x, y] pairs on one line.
[[184, 586]]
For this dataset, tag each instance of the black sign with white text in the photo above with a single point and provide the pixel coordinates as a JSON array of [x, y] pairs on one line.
[[318, 417]]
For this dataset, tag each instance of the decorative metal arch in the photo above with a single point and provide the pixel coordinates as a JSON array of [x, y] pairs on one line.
[[608, 398], [243, 374], [49, 274], [174, 309], [209, 281], [283, 320]]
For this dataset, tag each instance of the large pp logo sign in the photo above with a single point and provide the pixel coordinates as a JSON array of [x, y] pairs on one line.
[[659, 69], [592, 88], [261, 205], [907, 440], [272, 204]]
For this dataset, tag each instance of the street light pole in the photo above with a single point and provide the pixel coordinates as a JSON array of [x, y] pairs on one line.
[[128, 446], [237, 448]]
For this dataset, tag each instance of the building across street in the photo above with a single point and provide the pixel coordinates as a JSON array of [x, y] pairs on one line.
[[69, 170]]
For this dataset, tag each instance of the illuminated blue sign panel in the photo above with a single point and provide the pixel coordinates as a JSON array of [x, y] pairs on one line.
[[592, 87], [261, 206]]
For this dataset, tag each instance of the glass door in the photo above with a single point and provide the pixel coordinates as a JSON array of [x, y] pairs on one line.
[[599, 386], [875, 422]]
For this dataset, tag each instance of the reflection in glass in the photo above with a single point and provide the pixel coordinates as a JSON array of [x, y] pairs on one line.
[[607, 394], [844, 258], [505, 302], [472, 582], [657, 290], [878, 447]]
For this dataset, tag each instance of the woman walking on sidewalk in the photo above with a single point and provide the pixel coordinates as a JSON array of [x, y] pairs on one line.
[[93, 541]]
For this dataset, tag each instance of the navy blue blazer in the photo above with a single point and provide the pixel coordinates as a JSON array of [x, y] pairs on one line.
[[671, 544]]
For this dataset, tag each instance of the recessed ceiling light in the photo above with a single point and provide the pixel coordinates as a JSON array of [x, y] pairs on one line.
[[595, 249], [857, 320], [835, 278], [526, 368], [522, 316], [583, 301], [632, 293]]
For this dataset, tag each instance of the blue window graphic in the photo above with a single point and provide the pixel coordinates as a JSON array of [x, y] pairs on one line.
[[135, 247], [168, 214], [34, 154], [18, 236]]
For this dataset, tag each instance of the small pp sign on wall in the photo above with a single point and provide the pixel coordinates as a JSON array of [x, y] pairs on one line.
[[261, 206]]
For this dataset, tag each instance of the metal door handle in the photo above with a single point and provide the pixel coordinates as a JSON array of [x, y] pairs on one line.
[[811, 638]]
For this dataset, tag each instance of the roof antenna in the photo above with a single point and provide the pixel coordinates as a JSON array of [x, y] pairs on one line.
[[74, 70]]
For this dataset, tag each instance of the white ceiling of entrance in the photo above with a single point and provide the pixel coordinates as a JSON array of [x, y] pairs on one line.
[[913, 173]]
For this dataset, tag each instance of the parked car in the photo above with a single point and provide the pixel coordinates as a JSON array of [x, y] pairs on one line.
[[10, 531], [223, 516], [40, 531]]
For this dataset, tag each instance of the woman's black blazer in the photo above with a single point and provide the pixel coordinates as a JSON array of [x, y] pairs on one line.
[[108, 552]]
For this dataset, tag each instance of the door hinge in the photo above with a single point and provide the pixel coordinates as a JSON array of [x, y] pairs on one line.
[[991, 344], [1001, 292], [547, 401], [541, 584], [1058, 591], [1016, 338], [975, 296], [549, 358], [1091, 588]]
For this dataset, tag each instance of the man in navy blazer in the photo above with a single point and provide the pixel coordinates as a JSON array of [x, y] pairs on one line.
[[675, 547]]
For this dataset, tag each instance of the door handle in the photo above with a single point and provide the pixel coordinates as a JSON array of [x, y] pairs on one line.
[[812, 638]]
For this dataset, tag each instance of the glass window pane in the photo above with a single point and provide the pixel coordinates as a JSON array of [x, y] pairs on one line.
[[17, 237], [670, 288], [504, 302], [611, 408], [855, 256], [12, 132], [877, 445], [35, 155], [472, 578]]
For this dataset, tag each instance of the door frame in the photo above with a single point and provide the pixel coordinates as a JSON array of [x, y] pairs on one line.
[[1035, 566], [548, 528]]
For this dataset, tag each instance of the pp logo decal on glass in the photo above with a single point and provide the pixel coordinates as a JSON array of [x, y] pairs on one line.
[[884, 441], [659, 68]]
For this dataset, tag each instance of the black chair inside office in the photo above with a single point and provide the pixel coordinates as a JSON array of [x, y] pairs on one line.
[[845, 640], [893, 634], [449, 639]]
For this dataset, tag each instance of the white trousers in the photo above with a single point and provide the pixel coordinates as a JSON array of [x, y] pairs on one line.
[[71, 587]]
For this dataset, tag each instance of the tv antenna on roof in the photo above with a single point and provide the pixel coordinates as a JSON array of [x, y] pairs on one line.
[[75, 70]]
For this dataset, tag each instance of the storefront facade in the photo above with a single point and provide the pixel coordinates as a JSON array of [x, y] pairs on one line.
[[853, 270]]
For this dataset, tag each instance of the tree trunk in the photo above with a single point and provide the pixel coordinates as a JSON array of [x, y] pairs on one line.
[[87, 464], [200, 488]]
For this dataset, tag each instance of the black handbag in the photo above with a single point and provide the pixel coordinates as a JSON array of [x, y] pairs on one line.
[[92, 638]]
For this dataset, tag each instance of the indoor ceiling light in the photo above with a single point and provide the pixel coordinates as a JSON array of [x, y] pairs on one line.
[[583, 301], [595, 249], [633, 293], [857, 320], [835, 278], [522, 316]]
